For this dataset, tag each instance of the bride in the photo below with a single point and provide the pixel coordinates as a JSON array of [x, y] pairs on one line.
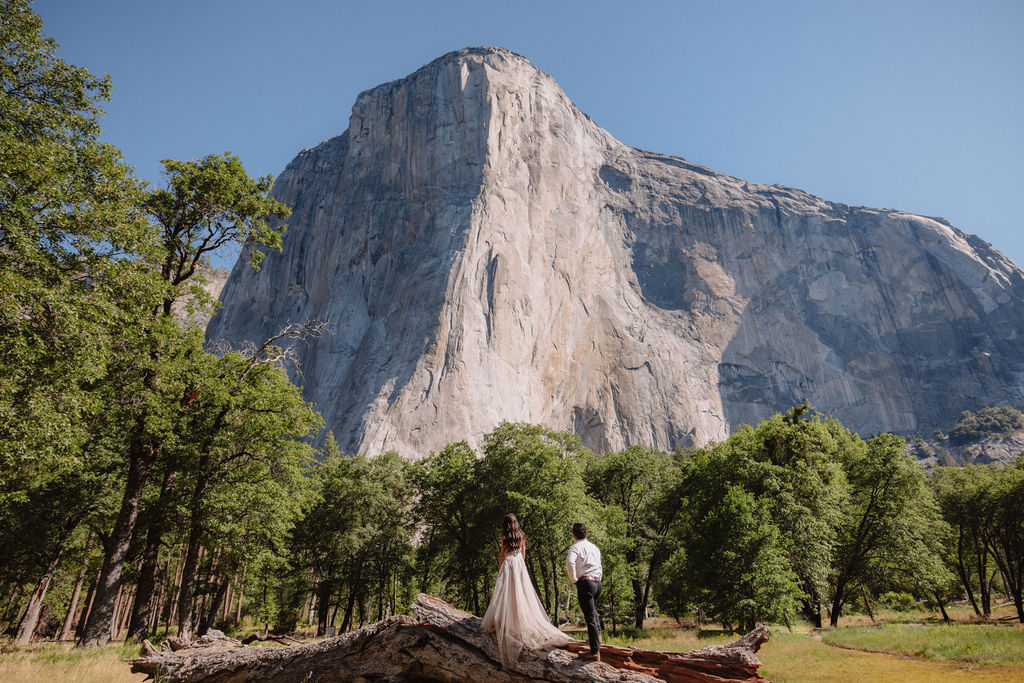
[[516, 614]]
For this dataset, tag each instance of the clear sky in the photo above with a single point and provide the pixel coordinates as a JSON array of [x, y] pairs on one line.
[[914, 105]]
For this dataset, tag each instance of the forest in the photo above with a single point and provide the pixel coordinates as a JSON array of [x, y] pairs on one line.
[[154, 482]]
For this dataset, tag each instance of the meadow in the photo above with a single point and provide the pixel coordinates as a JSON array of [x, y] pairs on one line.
[[899, 646], [62, 662]]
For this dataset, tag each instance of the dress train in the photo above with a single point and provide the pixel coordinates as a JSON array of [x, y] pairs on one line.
[[516, 615]]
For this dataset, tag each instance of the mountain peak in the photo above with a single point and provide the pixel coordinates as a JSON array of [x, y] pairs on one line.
[[485, 252]]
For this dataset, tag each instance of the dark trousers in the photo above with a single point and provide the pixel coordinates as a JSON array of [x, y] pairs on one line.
[[587, 592]]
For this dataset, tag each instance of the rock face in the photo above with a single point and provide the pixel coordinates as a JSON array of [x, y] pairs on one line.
[[214, 280], [485, 252]]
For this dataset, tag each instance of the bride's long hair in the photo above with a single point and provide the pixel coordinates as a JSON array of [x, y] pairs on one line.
[[512, 535]]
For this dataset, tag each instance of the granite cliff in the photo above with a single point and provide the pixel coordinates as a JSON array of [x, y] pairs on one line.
[[485, 252]]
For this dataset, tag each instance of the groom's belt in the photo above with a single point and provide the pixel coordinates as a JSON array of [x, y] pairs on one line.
[[590, 578]]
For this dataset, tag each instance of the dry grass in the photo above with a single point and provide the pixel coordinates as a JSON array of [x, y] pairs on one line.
[[801, 657], [62, 662], [789, 657], [958, 613], [666, 640]]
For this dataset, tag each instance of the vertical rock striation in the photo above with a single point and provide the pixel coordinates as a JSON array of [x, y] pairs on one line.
[[485, 252]]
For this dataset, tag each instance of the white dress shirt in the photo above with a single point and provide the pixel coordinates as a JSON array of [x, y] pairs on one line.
[[583, 559]]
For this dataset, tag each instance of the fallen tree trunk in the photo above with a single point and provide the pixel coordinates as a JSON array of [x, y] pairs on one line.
[[441, 644]]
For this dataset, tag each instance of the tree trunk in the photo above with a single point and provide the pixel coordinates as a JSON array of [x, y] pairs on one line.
[[76, 594], [986, 596], [554, 582], [90, 598], [545, 580], [444, 644], [837, 605], [984, 584], [639, 609], [346, 623], [964, 578], [35, 603], [21, 611], [323, 604], [174, 592], [11, 598], [867, 604], [942, 607], [101, 617], [334, 612], [211, 616], [160, 601], [241, 592], [118, 601], [126, 613], [647, 594], [69, 618], [139, 625], [307, 606], [188, 574], [227, 602]]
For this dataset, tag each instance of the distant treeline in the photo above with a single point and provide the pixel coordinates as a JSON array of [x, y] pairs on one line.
[[148, 481], [796, 518]]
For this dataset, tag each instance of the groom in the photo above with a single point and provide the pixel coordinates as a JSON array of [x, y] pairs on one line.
[[584, 565]]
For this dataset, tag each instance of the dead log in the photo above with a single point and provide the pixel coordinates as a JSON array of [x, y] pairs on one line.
[[268, 637], [441, 644]]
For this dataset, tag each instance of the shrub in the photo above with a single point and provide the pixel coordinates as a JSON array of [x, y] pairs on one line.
[[900, 602], [985, 423]]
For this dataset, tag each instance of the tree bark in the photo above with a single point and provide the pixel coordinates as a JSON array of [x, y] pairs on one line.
[[126, 613], [101, 617], [964, 578], [90, 598], [118, 602], [635, 582], [984, 584], [69, 620], [15, 591], [174, 592], [241, 593], [160, 599], [323, 605], [227, 602], [76, 594], [942, 606], [188, 574], [554, 579], [837, 604], [346, 622], [35, 603], [442, 644], [211, 614], [138, 627], [639, 608], [867, 604]]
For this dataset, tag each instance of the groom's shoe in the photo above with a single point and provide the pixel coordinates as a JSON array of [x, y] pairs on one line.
[[591, 656]]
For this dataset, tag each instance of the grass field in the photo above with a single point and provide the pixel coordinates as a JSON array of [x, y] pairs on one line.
[[905, 647], [61, 662], [969, 644], [800, 658]]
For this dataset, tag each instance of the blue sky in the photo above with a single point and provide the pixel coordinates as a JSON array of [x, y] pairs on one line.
[[911, 105]]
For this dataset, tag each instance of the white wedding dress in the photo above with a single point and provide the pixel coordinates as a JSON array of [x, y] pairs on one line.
[[516, 615]]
